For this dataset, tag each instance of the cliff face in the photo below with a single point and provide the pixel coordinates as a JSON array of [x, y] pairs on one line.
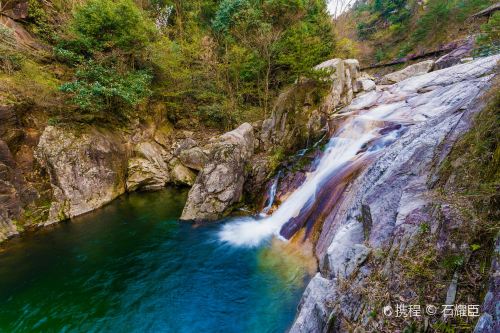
[[391, 231], [58, 172]]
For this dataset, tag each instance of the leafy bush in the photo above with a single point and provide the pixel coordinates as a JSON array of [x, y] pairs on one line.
[[97, 87], [106, 43], [394, 14], [7, 36], [67, 56], [405, 49], [10, 60], [380, 55], [346, 48], [106, 25], [224, 17]]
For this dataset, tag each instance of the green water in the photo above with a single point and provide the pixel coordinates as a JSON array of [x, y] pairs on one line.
[[133, 267]]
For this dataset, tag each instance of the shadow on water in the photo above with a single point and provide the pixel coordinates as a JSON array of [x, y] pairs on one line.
[[133, 267]]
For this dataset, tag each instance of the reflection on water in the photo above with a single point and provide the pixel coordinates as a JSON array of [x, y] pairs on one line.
[[133, 267], [288, 261]]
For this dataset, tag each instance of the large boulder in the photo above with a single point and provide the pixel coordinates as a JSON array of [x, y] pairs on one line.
[[407, 72], [220, 183], [10, 184], [147, 170], [344, 74], [87, 168], [365, 84]]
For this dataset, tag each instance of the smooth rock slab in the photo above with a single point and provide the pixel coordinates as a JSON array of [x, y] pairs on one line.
[[391, 194]]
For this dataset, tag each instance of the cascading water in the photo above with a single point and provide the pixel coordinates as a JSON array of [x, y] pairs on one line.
[[370, 123], [359, 136], [271, 194]]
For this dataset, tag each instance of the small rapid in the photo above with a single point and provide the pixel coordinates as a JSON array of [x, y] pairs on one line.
[[359, 135], [271, 194]]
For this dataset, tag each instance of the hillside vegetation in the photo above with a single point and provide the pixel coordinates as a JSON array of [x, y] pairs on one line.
[[202, 62], [384, 30]]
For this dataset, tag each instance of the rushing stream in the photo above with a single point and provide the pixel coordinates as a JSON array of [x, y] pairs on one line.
[[359, 137], [132, 266]]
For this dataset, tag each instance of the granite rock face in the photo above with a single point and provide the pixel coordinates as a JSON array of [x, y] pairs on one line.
[[24, 187], [313, 310], [194, 158], [220, 183], [385, 209], [344, 74], [147, 170], [87, 169], [410, 71], [180, 174]]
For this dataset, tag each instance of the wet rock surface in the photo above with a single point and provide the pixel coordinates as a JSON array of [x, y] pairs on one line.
[[385, 209]]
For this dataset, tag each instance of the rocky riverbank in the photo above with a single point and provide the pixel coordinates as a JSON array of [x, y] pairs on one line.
[[55, 172], [372, 248]]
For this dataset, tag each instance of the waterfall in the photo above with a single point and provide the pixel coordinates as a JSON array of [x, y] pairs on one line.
[[372, 122], [271, 194], [360, 135]]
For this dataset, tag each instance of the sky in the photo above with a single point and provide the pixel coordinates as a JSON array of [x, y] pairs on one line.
[[339, 4]]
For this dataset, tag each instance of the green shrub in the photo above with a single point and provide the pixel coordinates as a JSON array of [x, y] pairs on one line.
[[67, 56], [436, 15], [404, 50], [224, 17], [10, 60], [97, 88], [7, 36], [380, 55], [489, 40], [38, 20], [106, 25]]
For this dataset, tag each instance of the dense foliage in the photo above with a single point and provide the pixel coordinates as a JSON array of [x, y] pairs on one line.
[[489, 39], [397, 28], [216, 62], [105, 43]]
